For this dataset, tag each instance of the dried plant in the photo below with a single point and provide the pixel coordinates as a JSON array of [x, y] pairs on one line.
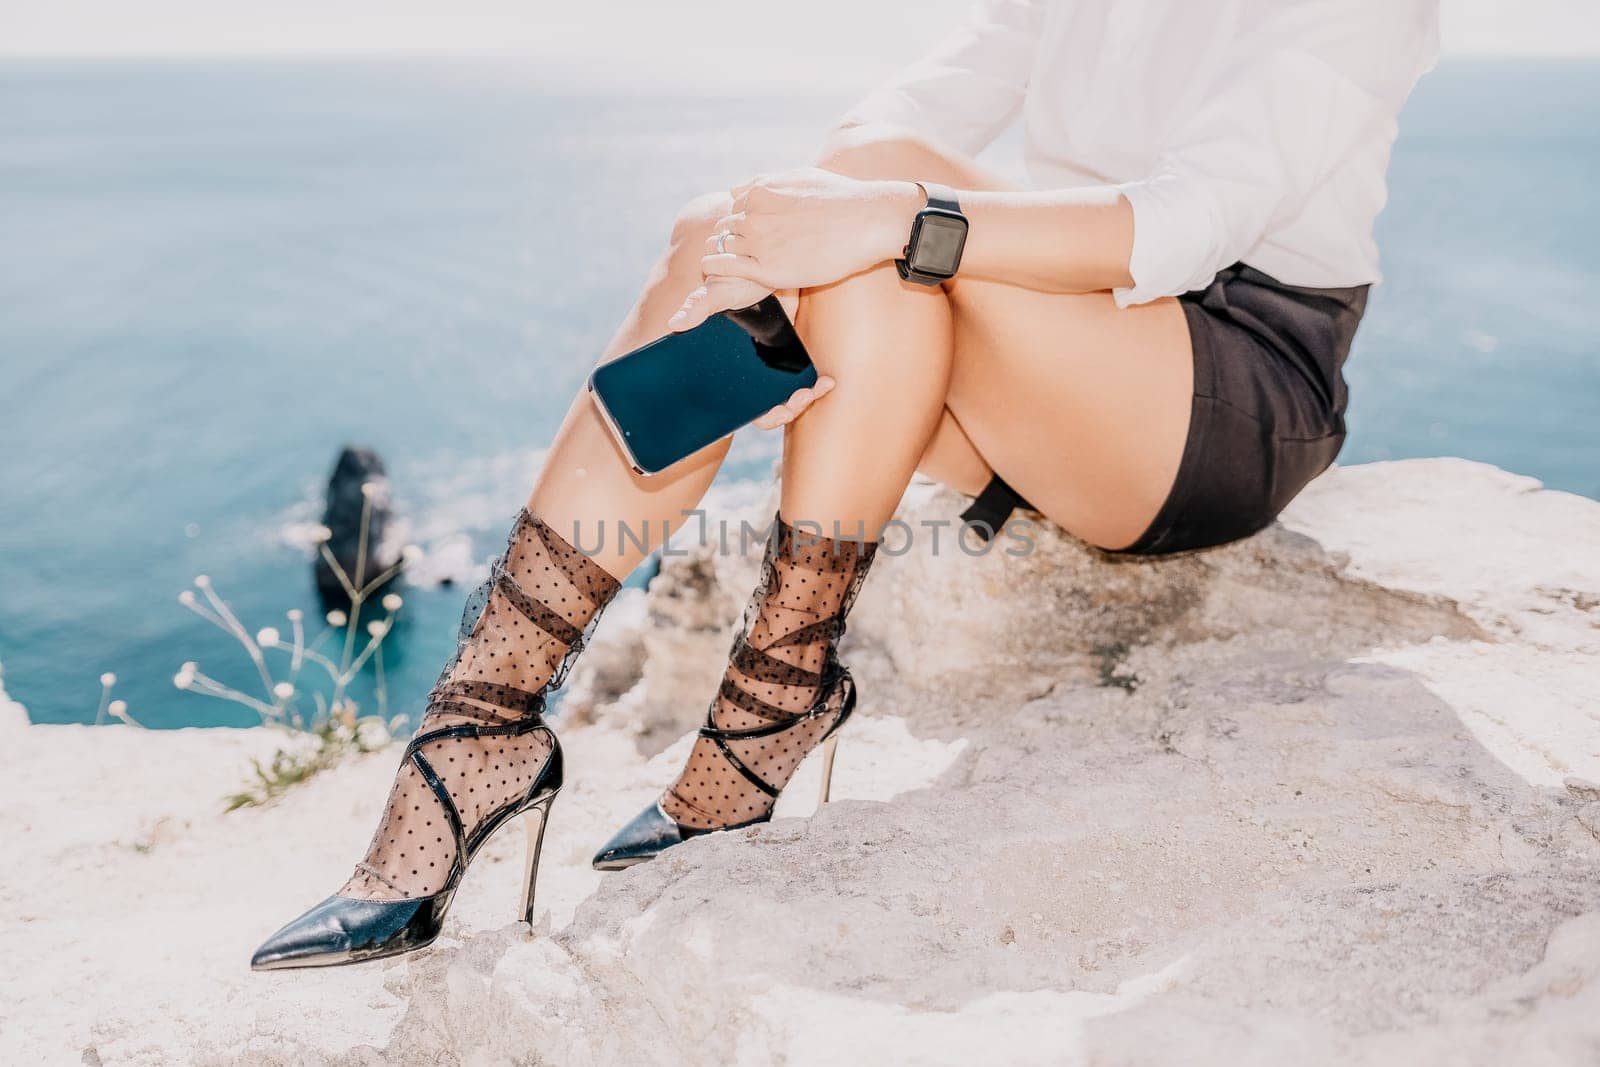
[[332, 723], [330, 743], [117, 709]]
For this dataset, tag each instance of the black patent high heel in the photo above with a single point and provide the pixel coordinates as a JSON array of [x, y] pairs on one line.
[[344, 930], [653, 831], [783, 672], [484, 756]]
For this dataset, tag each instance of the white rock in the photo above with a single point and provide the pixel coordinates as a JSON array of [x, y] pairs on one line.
[[1319, 797]]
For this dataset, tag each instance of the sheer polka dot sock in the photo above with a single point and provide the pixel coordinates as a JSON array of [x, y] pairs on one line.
[[520, 632], [784, 689]]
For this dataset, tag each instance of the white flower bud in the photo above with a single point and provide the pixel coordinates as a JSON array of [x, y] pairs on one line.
[[183, 679], [268, 637], [392, 602], [411, 553], [283, 690], [320, 535], [294, 614], [108, 679], [202, 581], [119, 708], [378, 628], [186, 598], [337, 618]]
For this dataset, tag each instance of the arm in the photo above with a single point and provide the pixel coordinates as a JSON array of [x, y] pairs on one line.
[[1266, 136], [813, 227], [1055, 241], [1268, 133]]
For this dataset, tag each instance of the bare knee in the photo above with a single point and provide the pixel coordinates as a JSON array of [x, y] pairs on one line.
[[874, 325], [678, 269], [696, 221]]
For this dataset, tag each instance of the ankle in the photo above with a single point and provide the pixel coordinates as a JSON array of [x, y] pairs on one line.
[[523, 627]]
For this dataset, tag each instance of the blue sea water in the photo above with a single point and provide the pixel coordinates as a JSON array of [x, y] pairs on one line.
[[215, 274]]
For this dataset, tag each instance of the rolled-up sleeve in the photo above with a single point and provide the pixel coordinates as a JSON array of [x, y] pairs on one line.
[[971, 86], [1247, 159]]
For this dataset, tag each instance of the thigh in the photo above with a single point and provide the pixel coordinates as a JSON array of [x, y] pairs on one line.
[[1083, 407]]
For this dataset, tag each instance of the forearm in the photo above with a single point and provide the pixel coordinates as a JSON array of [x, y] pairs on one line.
[[810, 228], [1060, 241]]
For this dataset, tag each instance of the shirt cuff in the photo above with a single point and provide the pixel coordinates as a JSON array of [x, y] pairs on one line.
[[1174, 244]]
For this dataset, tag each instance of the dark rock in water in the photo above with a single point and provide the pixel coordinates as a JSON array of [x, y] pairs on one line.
[[358, 481]]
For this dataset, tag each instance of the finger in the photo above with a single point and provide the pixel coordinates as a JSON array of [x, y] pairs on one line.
[[694, 310], [727, 243], [733, 223], [735, 292], [798, 401], [774, 418], [728, 265], [801, 399], [717, 294]]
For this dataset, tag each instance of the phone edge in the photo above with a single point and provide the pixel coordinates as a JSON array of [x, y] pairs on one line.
[[615, 431]]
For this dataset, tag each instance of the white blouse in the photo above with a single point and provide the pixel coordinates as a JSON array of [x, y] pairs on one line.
[[1239, 130]]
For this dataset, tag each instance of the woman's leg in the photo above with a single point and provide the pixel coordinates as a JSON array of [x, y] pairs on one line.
[[846, 462], [483, 745], [1081, 406], [544, 592], [848, 459], [586, 488]]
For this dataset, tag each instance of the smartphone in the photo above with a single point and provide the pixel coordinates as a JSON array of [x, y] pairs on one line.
[[668, 400]]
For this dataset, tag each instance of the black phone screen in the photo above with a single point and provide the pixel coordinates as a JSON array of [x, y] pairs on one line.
[[676, 395]]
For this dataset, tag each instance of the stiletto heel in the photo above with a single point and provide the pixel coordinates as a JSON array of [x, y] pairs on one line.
[[653, 831], [828, 748], [483, 756], [784, 693], [534, 820], [830, 740], [342, 930]]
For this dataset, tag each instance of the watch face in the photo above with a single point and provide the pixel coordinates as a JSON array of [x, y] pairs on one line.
[[938, 245]]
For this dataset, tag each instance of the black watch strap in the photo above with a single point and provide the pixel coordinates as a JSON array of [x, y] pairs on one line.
[[940, 196]]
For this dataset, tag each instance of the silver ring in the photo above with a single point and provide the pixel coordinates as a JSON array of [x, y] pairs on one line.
[[722, 242]]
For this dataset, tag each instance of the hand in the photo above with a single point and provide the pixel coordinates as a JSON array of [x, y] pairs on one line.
[[798, 401], [801, 228]]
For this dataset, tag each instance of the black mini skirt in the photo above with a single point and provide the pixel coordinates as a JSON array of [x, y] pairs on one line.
[[1267, 415]]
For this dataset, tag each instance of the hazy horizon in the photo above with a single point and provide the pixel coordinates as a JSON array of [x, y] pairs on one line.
[[632, 40]]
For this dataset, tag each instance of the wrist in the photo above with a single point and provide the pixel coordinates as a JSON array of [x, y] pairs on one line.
[[899, 203]]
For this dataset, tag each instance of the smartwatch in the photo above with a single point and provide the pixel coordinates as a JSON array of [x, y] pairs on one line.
[[938, 234]]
